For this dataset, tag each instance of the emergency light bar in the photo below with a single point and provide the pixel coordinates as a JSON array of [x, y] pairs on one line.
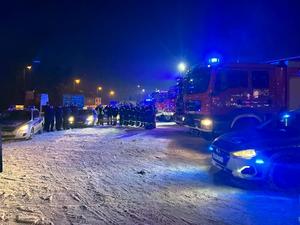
[[214, 60]]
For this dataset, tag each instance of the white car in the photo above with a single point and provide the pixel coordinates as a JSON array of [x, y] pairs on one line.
[[21, 124]]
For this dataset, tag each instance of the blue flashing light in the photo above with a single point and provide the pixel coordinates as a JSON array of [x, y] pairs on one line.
[[210, 148], [214, 60], [259, 161], [286, 116], [148, 100]]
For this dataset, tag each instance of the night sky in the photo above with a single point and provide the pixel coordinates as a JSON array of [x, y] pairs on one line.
[[120, 44]]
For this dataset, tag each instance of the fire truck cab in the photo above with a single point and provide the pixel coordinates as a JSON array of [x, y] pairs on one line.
[[165, 104], [221, 97]]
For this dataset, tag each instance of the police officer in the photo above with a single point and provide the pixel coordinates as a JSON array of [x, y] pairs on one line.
[[51, 118], [58, 117], [66, 115], [47, 118]]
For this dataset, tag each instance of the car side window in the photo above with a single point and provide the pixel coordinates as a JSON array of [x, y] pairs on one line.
[[35, 114], [294, 125], [260, 79], [227, 79]]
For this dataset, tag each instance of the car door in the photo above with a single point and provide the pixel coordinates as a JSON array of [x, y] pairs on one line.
[[262, 92], [37, 121], [232, 90]]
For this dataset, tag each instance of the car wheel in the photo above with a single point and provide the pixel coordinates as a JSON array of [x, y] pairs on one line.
[[31, 133], [284, 174], [40, 131]]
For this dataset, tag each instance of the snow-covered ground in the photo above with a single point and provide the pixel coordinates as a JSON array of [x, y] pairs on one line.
[[127, 176]]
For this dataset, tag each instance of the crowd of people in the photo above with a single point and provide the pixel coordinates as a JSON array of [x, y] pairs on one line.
[[57, 118], [127, 115]]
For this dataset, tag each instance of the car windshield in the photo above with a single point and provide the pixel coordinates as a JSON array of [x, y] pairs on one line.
[[285, 123], [197, 80], [16, 116], [84, 113]]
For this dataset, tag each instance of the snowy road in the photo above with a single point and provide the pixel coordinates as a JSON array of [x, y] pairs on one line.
[[127, 176]]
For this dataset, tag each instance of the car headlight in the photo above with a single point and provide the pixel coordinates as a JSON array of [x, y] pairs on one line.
[[71, 119], [246, 154], [23, 129], [206, 123], [90, 119]]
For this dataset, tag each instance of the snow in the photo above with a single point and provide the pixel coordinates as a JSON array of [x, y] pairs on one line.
[[127, 176]]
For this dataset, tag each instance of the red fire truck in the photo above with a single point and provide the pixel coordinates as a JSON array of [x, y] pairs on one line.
[[219, 97], [165, 104]]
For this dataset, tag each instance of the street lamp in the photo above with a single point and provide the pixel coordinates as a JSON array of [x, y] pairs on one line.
[[182, 67], [99, 89], [143, 90], [112, 93], [76, 82]]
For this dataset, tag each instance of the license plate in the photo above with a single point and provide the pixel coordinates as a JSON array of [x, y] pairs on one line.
[[218, 158]]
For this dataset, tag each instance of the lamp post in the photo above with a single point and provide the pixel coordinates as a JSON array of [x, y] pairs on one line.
[[99, 89], [182, 67], [26, 68], [112, 93], [76, 83]]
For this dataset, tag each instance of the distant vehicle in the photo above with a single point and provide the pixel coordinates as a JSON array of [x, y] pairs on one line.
[[21, 124], [219, 97], [83, 118], [165, 105], [269, 152], [73, 100]]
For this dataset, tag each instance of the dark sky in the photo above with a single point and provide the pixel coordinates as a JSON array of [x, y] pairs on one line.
[[127, 42]]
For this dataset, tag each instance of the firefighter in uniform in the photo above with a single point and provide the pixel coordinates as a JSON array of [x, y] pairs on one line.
[[100, 112], [121, 113], [66, 115], [58, 118]]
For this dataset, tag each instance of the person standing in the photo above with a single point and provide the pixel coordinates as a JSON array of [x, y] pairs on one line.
[[121, 113], [100, 112], [58, 118], [51, 117], [116, 113], [47, 118], [66, 115]]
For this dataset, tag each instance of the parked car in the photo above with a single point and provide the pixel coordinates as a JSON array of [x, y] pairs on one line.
[[21, 124], [270, 152], [83, 118]]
